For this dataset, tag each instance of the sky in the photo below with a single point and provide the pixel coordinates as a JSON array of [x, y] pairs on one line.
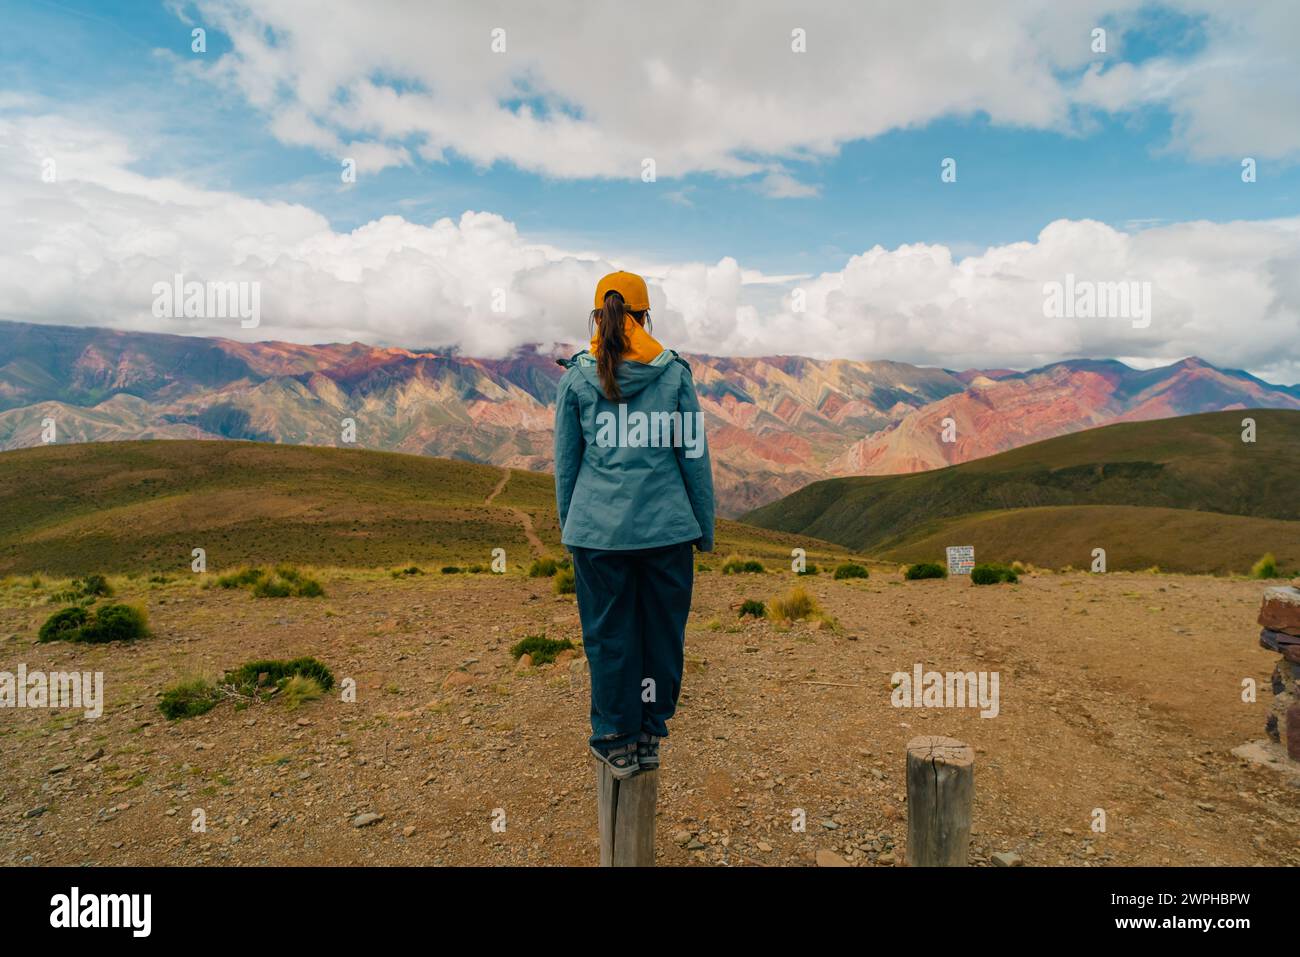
[[839, 179]]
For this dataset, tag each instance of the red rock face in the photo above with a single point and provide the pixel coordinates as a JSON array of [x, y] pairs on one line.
[[994, 416], [775, 423]]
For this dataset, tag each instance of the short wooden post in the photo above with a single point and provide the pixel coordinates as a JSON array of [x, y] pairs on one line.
[[626, 811], [940, 793]]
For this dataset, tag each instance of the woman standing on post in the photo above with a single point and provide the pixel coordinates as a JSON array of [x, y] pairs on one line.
[[635, 492]]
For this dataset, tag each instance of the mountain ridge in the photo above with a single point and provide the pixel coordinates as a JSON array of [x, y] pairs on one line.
[[776, 423]]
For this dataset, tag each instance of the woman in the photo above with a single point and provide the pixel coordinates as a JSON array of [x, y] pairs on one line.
[[635, 493]]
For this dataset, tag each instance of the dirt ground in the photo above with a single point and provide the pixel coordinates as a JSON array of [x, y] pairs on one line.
[[1119, 692]]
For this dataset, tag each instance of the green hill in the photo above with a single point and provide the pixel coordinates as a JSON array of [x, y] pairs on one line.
[[1026, 502], [1175, 539], [144, 506]]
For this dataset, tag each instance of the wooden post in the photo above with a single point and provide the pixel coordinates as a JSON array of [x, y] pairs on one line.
[[626, 811], [940, 792]]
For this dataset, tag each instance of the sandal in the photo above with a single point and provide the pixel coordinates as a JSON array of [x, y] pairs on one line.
[[647, 751], [621, 761]]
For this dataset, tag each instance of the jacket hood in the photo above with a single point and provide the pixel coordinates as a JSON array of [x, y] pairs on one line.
[[632, 376]]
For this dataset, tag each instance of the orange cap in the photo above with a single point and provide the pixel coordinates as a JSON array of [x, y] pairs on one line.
[[628, 285]]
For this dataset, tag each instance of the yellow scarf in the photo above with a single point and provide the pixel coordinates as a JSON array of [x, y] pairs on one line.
[[641, 347]]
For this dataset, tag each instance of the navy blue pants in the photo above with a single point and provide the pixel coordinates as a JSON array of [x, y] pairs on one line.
[[633, 606]]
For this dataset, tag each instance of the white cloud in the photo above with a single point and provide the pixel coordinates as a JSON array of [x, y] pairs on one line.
[[88, 248], [591, 89]]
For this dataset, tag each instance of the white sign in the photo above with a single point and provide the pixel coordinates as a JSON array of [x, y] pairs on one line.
[[961, 559]]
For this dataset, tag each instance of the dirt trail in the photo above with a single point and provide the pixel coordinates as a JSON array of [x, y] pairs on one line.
[[526, 520]]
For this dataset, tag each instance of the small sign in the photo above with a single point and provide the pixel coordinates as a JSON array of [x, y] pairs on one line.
[[961, 559]]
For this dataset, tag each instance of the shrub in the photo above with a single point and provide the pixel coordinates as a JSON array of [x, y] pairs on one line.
[[450, 570], [85, 589], [925, 570], [476, 569], [564, 582], [299, 689], [409, 570], [284, 582], [809, 569], [542, 649], [245, 678], [795, 605], [64, 625], [851, 570], [742, 566], [108, 623], [543, 568], [991, 573], [272, 588], [188, 699], [93, 586], [703, 567], [245, 576], [310, 588], [115, 623], [1266, 567], [751, 607]]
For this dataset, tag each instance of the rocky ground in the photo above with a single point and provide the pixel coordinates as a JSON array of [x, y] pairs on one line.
[[1120, 692]]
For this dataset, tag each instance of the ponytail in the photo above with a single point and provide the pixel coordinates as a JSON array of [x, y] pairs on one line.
[[608, 320]]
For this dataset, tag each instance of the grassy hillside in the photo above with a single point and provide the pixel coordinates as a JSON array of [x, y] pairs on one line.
[[1134, 538], [1194, 462], [143, 506]]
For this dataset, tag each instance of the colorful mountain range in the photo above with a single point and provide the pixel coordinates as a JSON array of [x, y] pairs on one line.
[[775, 423]]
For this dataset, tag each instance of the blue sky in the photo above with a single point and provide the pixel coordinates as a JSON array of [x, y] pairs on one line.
[[776, 168], [102, 59]]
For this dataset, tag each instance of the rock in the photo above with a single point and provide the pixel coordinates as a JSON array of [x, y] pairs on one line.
[[1280, 609], [1277, 641], [827, 858], [94, 755], [681, 838], [565, 656], [525, 661], [1208, 808], [458, 679], [36, 811], [765, 847], [365, 820], [58, 769], [408, 830], [1007, 859], [886, 859]]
